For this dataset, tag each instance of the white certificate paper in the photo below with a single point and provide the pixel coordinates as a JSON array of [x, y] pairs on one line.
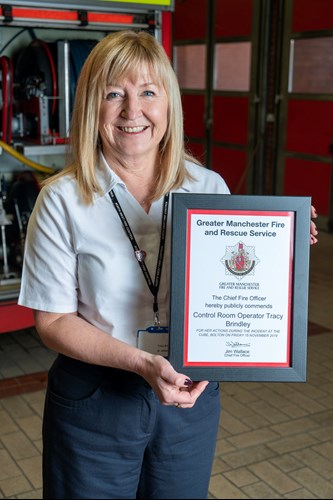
[[238, 292]]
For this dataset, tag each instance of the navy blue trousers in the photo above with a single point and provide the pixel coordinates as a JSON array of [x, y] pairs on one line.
[[106, 435]]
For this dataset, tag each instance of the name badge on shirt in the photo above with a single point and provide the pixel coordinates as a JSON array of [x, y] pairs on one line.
[[155, 339]]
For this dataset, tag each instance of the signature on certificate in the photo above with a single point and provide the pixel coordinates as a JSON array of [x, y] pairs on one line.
[[230, 343]]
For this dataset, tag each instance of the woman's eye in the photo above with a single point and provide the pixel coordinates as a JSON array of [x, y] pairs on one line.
[[148, 93], [112, 95]]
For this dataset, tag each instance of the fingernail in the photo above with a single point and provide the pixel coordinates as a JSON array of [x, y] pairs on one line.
[[188, 382]]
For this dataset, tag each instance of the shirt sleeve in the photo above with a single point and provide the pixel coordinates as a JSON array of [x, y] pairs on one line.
[[49, 274]]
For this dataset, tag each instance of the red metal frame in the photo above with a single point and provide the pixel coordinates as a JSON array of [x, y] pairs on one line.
[[24, 14], [6, 69], [12, 316]]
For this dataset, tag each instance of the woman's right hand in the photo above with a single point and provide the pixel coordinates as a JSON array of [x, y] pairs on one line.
[[171, 388], [76, 338]]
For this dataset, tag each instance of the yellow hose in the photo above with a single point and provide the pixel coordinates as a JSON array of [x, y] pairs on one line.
[[25, 160]]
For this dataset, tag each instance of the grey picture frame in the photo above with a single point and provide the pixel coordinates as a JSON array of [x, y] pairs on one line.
[[182, 206]]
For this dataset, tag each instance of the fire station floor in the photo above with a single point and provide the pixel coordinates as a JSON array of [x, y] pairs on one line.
[[275, 439]]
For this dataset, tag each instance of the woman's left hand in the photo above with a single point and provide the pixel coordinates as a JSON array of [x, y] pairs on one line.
[[313, 227]]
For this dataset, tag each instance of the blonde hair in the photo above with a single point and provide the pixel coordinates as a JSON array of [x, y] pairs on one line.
[[116, 56]]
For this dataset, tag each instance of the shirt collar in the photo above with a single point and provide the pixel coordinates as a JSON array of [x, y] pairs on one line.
[[186, 186], [108, 179]]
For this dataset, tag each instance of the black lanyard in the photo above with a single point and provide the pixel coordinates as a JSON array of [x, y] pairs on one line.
[[140, 255]]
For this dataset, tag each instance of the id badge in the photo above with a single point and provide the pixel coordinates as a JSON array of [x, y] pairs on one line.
[[155, 339]]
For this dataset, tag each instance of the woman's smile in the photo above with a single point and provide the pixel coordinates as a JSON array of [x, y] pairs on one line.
[[132, 130]]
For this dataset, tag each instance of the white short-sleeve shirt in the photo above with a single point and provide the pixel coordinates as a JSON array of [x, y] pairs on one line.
[[79, 258]]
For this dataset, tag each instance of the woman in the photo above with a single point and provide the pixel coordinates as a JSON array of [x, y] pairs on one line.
[[119, 421]]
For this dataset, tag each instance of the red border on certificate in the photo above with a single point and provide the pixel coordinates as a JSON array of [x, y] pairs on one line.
[[277, 238]]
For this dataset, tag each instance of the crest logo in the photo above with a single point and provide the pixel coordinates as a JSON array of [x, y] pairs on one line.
[[239, 260]]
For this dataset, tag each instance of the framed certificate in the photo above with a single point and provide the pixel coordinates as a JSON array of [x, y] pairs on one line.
[[239, 287]]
